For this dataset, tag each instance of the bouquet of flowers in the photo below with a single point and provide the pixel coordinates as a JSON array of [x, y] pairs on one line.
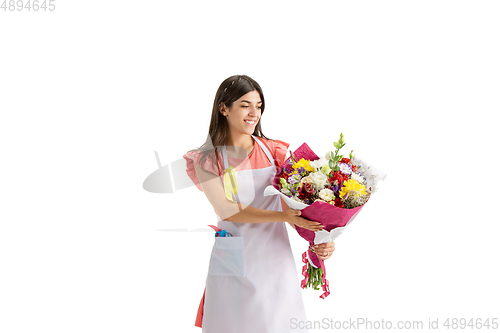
[[330, 190]]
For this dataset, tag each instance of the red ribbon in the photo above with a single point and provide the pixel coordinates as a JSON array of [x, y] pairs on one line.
[[326, 288], [303, 284], [326, 285]]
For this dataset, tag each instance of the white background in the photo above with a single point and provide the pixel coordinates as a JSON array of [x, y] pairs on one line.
[[89, 91]]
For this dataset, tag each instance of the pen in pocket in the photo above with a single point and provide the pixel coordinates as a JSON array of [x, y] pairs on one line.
[[220, 232]]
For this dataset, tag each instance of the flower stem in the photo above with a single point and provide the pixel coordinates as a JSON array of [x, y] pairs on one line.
[[315, 277]]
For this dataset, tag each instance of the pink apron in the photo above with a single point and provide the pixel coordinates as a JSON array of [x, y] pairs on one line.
[[252, 284]]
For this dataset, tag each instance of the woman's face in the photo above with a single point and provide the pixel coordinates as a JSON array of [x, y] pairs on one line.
[[244, 114]]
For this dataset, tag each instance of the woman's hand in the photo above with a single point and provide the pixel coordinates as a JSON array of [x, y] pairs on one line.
[[293, 216], [324, 250]]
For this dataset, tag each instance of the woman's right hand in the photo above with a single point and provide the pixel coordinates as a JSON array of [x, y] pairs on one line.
[[293, 216]]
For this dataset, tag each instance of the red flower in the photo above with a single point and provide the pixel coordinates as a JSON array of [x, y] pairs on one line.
[[285, 176], [339, 203], [339, 177], [354, 168], [345, 160], [305, 191]]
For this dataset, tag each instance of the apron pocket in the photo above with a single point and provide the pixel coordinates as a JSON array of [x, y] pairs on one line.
[[228, 257]]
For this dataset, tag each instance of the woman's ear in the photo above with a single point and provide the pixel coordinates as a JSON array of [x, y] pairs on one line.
[[221, 108]]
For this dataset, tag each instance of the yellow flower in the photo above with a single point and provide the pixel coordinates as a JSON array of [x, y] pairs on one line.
[[304, 164], [352, 187]]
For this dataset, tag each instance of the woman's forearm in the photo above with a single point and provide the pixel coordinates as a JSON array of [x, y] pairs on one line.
[[284, 208], [248, 214]]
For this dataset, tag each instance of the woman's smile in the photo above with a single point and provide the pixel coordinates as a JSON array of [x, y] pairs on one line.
[[246, 110]]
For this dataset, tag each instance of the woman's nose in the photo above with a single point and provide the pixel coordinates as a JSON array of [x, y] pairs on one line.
[[253, 110]]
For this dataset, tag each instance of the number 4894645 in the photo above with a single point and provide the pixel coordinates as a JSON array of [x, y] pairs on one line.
[[28, 5]]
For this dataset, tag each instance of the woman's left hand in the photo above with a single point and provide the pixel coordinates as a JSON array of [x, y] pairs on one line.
[[324, 250]]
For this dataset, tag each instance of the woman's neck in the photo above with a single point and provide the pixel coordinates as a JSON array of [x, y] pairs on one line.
[[242, 141]]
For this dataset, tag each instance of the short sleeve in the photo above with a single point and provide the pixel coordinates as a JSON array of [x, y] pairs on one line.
[[280, 152], [191, 158]]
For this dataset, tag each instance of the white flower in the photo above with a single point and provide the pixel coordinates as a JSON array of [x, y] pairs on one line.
[[286, 191], [345, 168], [306, 179], [319, 163], [328, 155], [326, 194], [318, 179], [371, 174], [357, 177]]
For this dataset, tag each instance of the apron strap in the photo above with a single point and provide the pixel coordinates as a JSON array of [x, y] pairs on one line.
[[224, 155], [264, 148]]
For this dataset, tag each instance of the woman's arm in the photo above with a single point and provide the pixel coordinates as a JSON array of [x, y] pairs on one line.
[[236, 212], [284, 208]]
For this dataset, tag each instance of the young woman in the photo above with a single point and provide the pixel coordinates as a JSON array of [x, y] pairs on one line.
[[252, 283]]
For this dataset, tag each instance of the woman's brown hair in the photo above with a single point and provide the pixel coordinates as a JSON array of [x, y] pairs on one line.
[[230, 90]]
